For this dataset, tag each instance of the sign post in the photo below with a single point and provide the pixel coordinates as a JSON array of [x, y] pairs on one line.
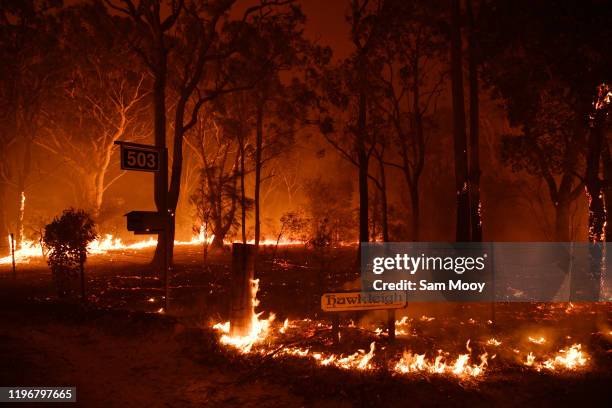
[[339, 302], [139, 157]]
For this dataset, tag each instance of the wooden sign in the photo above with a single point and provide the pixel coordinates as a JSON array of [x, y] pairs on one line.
[[355, 301]]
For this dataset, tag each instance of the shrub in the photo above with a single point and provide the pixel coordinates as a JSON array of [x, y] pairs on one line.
[[67, 238]]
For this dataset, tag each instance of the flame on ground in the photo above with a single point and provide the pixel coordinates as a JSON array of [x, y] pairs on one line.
[[493, 342], [464, 366], [537, 340], [565, 359], [461, 367], [360, 360]]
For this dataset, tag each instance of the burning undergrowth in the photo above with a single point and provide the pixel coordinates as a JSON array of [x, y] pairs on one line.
[[469, 350]]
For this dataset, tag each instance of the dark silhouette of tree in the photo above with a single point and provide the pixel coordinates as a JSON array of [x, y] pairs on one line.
[[474, 142], [234, 116], [459, 129], [349, 95], [549, 79], [66, 239], [548, 148], [190, 47], [31, 63], [409, 85], [217, 196], [277, 46], [331, 220]]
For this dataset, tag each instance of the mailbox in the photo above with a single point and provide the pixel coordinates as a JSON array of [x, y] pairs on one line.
[[146, 222]]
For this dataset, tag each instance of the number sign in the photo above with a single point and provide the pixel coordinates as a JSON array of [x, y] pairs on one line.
[[139, 158]]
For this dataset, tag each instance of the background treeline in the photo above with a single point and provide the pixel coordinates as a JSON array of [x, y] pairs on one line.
[[440, 120]]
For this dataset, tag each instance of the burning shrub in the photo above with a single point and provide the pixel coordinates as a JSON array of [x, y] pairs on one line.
[[67, 238]]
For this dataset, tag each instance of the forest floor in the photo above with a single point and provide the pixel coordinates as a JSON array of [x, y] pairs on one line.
[[120, 352]]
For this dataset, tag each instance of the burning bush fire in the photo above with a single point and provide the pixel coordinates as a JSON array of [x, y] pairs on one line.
[[306, 203], [269, 339]]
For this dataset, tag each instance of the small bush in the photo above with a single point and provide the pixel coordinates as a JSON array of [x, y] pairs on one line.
[[67, 238]]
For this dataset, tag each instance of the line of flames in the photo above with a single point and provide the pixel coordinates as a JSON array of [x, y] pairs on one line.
[[261, 332], [29, 250], [462, 366]]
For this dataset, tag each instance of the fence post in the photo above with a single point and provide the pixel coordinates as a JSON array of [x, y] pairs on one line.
[[391, 324], [13, 255], [243, 271], [336, 328]]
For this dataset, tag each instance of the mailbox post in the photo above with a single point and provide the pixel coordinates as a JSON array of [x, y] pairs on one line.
[[152, 222], [139, 157]]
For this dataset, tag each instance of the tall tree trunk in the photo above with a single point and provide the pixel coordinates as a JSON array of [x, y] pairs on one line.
[[415, 225], [161, 178], [607, 190], [242, 192], [597, 213], [460, 139], [476, 218], [362, 160], [258, 164], [414, 178], [384, 203], [374, 206]]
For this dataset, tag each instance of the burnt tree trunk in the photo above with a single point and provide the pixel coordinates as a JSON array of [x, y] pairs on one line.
[[4, 232], [415, 225], [159, 112], [459, 130], [607, 190], [597, 213], [413, 184], [384, 203], [362, 161], [242, 190], [258, 165], [474, 185]]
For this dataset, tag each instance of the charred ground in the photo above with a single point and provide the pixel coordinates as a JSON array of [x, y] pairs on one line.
[[119, 350]]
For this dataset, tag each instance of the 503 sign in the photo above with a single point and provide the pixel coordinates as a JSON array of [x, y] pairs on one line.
[[139, 158]]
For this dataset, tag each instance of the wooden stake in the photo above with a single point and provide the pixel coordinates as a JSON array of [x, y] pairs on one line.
[[391, 324], [336, 328], [13, 255], [243, 271]]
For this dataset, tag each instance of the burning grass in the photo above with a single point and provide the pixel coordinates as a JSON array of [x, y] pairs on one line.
[[279, 341], [565, 359], [29, 250]]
